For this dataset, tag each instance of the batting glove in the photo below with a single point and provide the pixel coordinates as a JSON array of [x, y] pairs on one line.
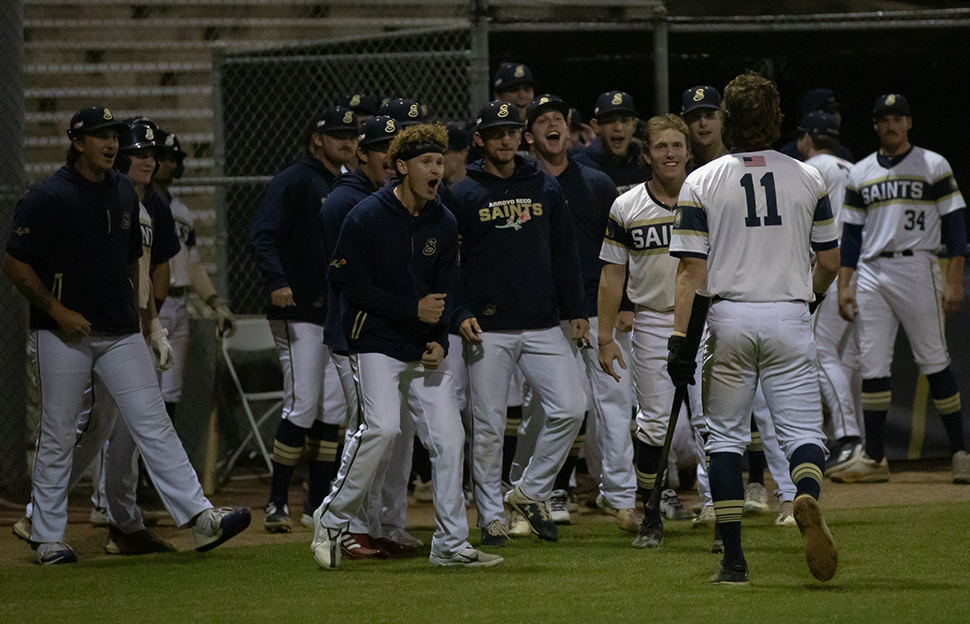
[[225, 321], [161, 348], [813, 305], [681, 371]]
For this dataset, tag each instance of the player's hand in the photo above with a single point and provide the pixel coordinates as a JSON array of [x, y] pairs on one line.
[[624, 321], [282, 297], [580, 330], [430, 308], [73, 325], [681, 371], [433, 356], [161, 348], [952, 297], [813, 305], [225, 321], [469, 330], [607, 353], [847, 303]]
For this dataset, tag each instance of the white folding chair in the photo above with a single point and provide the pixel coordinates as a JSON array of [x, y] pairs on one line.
[[252, 334]]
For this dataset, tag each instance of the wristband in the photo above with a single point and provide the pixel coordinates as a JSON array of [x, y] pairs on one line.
[[603, 344]]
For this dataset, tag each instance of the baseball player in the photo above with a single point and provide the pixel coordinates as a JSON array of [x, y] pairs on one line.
[[396, 266], [379, 527], [836, 338], [73, 254], [589, 195], [700, 107], [822, 100], [364, 106], [613, 151], [899, 201], [638, 236], [732, 214], [513, 83], [286, 242], [520, 272], [186, 269]]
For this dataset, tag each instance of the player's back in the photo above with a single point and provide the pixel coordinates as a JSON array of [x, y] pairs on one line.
[[835, 173], [760, 211]]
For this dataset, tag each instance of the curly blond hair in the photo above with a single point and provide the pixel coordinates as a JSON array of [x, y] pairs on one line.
[[752, 112], [661, 123], [414, 138]]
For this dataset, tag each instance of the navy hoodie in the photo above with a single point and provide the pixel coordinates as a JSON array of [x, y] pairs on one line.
[[285, 239], [519, 262], [349, 190], [385, 261], [625, 174], [79, 237]]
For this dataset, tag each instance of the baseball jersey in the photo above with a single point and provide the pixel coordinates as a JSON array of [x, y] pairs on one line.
[[755, 217], [638, 233], [835, 172], [185, 230], [625, 173], [899, 201], [79, 237], [145, 262]]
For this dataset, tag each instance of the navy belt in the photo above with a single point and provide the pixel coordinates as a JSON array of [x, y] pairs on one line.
[[896, 254]]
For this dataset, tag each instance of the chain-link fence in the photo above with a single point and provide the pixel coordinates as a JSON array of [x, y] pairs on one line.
[[266, 100]]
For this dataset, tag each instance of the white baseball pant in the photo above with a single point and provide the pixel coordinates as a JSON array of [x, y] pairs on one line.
[[305, 360], [777, 462], [548, 365], [837, 342]]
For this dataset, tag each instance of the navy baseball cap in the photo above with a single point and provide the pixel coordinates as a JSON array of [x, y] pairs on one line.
[[821, 100], [512, 74], [87, 120], [820, 123], [135, 137], [458, 137], [360, 104], [379, 129], [498, 113], [891, 102], [614, 101], [405, 112], [335, 119], [545, 103], [699, 97], [167, 144]]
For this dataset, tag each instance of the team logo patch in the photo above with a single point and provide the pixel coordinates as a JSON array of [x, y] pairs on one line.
[[149, 135], [355, 101], [698, 95], [22, 231], [348, 117], [890, 99], [430, 247], [389, 127], [413, 111], [503, 110], [107, 114], [516, 222], [678, 217], [126, 221], [489, 310], [338, 263], [543, 100], [519, 71], [617, 99]]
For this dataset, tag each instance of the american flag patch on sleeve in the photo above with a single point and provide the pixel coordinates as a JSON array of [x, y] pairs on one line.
[[754, 161]]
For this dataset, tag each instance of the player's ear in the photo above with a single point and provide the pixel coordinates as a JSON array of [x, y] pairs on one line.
[[529, 138], [401, 166], [594, 125], [479, 141], [318, 140]]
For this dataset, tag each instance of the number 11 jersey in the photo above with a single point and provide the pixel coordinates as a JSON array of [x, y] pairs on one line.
[[899, 201], [755, 217]]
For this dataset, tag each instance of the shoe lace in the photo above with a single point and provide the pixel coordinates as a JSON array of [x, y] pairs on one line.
[[558, 503], [495, 528], [669, 498]]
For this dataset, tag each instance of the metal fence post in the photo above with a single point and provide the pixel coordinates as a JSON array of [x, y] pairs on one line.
[[478, 87], [219, 171], [661, 70]]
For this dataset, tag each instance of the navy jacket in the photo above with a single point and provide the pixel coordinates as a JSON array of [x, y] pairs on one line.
[[164, 237], [589, 195], [349, 190], [79, 237], [519, 262], [385, 261], [285, 239], [625, 174]]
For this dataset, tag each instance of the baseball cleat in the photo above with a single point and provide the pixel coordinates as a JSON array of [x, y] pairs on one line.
[[360, 546], [493, 534], [731, 573], [395, 549], [517, 525], [276, 518], [469, 558], [651, 533], [672, 508], [559, 507], [863, 470], [422, 491], [55, 553], [961, 467], [706, 517], [756, 498], [99, 517], [307, 520], [848, 454], [627, 519], [214, 526], [787, 515], [326, 543], [402, 537], [141, 542], [22, 528], [820, 551], [535, 512]]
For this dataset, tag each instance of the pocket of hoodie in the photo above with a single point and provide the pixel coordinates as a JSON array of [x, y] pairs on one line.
[[57, 286]]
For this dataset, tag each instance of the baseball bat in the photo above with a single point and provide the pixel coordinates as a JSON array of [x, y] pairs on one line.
[[695, 327]]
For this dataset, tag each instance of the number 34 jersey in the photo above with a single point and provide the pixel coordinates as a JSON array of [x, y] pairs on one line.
[[755, 217], [899, 201]]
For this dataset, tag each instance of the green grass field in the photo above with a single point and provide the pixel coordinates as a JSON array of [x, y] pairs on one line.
[[897, 564]]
